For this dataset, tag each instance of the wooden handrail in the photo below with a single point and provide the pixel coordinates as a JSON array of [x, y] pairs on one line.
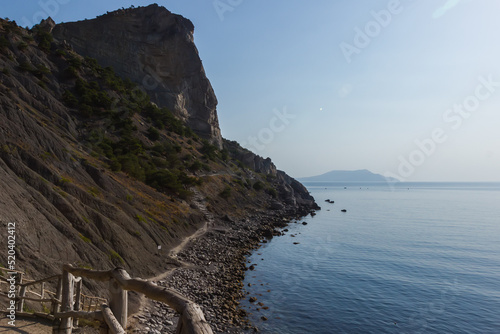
[[11, 271], [109, 318], [192, 319], [40, 280], [17, 298]]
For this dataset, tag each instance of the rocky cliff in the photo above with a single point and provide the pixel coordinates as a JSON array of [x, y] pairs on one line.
[[95, 172], [156, 50]]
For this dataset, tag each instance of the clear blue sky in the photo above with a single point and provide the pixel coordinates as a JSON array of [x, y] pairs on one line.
[[403, 87]]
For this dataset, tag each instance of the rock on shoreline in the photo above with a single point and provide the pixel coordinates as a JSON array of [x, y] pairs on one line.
[[215, 274]]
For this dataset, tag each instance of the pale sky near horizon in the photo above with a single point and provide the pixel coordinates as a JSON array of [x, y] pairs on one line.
[[406, 88]]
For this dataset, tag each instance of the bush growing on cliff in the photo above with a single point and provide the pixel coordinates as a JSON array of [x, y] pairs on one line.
[[209, 150], [153, 134], [196, 166], [25, 66], [45, 40], [115, 165], [70, 99], [165, 180], [115, 257], [92, 95], [22, 46], [92, 64], [130, 165], [164, 119], [75, 62], [258, 186], [226, 193], [272, 192], [4, 43], [41, 70]]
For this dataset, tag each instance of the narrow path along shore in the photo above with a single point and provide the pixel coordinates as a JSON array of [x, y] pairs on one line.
[[144, 320], [200, 203]]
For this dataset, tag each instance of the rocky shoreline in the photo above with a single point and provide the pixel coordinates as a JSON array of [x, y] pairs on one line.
[[212, 273]]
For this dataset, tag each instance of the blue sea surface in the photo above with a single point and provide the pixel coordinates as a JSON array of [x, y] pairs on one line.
[[404, 258]]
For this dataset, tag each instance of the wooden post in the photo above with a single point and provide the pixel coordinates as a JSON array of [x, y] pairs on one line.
[[42, 291], [78, 293], [118, 302], [22, 292], [67, 302], [111, 321], [56, 306], [42, 295]]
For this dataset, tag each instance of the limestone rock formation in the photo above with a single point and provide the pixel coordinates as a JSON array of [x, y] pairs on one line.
[[156, 50]]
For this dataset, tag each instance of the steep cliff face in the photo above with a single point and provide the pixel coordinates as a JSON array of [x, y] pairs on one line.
[[155, 49]]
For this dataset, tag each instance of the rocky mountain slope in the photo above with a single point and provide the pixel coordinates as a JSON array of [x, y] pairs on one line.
[[93, 172]]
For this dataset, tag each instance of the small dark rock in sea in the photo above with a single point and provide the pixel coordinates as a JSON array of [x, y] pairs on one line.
[[304, 223], [343, 210], [252, 299], [252, 267], [263, 318]]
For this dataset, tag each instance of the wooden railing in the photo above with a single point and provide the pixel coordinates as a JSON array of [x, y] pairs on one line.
[[68, 303], [27, 291], [45, 296]]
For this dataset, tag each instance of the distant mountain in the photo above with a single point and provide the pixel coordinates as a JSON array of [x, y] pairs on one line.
[[362, 175]]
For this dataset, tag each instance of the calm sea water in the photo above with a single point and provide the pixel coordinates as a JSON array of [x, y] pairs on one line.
[[420, 258]]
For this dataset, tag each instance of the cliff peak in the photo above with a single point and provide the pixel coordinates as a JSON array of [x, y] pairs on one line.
[[155, 49]]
